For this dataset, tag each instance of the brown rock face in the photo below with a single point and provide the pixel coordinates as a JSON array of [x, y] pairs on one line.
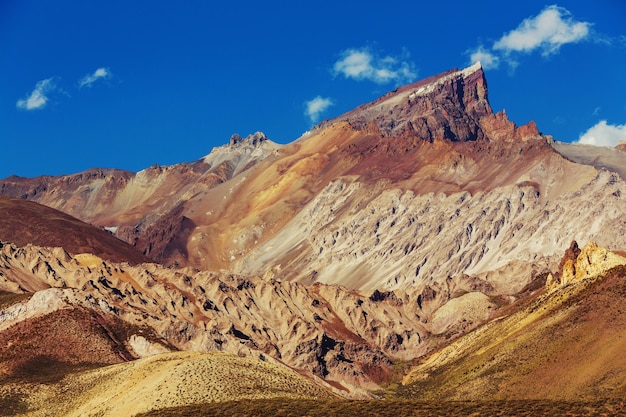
[[500, 128], [23, 222], [446, 106]]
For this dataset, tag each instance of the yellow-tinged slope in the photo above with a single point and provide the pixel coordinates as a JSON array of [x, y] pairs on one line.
[[568, 343], [167, 380]]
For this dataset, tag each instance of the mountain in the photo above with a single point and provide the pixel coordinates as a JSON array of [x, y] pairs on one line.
[[398, 232], [343, 203]]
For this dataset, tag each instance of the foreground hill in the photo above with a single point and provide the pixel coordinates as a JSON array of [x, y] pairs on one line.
[[161, 381], [560, 341]]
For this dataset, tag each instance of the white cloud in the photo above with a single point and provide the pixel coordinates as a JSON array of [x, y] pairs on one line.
[[549, 30], [100, 73], [603, 134], [316, 106], [552, 28], [364, 64], [487, 59], [39, 96]]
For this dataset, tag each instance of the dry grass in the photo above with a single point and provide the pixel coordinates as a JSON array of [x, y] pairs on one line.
[[175, 379], [397, 408], [7, 299], [567, 345]]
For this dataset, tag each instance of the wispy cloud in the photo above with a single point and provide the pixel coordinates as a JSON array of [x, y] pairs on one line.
[[38, 98], [365, 64], [315, 107], [603, 134], [487, 59], [552, 28], [99, 74]]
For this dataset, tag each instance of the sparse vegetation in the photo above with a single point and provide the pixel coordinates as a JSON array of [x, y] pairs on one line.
[[7, 299], [396, 408], [12, 404]]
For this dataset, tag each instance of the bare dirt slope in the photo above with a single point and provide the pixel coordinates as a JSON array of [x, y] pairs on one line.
[[601, 157], [23, 222]]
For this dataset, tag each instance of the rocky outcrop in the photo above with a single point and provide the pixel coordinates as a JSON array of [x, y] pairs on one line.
[[581, 264], [446, 106], [254, 139], [453, 106], [499, 128]]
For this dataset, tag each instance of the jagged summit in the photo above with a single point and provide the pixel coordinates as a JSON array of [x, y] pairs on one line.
[[445, 106], [237, 143], [452, 105], [254, 139]]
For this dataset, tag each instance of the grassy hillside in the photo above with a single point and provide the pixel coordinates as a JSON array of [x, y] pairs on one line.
[[396, 408], [568, 344]]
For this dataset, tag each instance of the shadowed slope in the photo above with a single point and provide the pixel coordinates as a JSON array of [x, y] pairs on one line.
[[23, 222]]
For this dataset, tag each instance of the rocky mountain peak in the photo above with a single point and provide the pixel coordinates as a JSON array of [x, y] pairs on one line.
[[254, 139], [452, 106], [445, 106]]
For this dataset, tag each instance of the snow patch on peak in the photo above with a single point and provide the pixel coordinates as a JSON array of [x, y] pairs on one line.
[[429, 88]]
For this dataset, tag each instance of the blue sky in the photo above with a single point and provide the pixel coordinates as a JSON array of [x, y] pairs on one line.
[[127, 84]]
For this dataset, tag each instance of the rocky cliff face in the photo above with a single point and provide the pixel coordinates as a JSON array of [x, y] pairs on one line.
[[448, 105]]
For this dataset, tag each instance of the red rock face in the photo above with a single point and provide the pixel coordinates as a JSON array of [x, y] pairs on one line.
[[448, 106], [23, 222]]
